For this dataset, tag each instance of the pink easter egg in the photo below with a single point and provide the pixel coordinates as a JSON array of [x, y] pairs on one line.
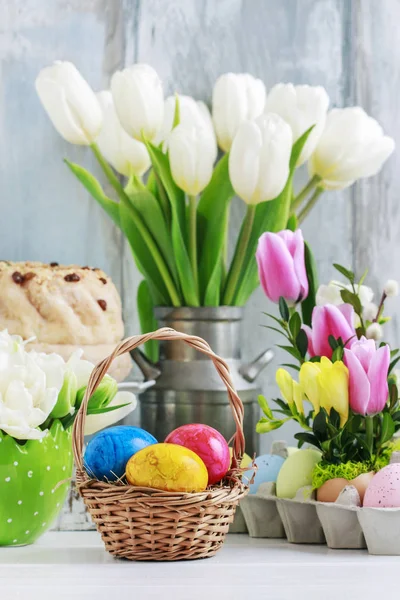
[[384, 488], [207, 443]]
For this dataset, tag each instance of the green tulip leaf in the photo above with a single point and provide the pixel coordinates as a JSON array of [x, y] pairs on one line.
[[387, 428], [184, 267], [152, 215], [94, 188], [175, 195], [143, 257], [307, 306], [212, 225], [292, 223], [147, 320]]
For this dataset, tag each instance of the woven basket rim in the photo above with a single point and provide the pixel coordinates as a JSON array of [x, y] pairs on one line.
[[129, 344]]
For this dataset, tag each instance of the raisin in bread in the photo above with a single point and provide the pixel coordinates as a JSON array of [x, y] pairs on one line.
[[64, 308]]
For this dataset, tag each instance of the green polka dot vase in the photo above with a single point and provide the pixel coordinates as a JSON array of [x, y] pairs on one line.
[[31, 490]]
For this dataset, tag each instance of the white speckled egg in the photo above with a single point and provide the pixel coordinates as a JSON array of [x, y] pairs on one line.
[[384, 488], [296, 472]]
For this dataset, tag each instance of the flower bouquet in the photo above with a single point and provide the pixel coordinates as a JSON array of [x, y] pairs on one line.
[[176, 220], [39, 398], [344, 396]]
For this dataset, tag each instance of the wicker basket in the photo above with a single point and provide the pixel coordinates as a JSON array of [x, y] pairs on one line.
[[146, 524]]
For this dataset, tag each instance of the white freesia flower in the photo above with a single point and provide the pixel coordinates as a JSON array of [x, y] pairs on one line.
[[352, 146], [139, 100], [191, 113], [330, 294], [259, 158], [301, 106], [28, 393], [70, 103], [237, 97], [191, 157], [125, 154]]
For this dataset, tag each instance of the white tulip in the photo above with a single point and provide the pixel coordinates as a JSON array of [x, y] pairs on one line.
[[125, 154], [352, 146], [191, 157], [236, 98], [259, 158], [191, 113], [139, 101], [301, 106], [28, 393], [70, 103], [94, 423]]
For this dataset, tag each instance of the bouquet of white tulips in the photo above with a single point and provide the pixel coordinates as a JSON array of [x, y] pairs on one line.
[[36, 389], [176, 220]]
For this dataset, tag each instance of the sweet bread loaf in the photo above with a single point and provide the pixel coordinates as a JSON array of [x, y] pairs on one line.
[[63, 307]]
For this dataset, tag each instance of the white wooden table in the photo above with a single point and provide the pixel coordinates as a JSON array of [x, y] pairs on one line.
[[74, 566]]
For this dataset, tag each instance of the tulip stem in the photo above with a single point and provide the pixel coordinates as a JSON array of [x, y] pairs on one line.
[[193, 239], [141, 226], [369, 433], [238, 259], [302, 195], [310, 205]]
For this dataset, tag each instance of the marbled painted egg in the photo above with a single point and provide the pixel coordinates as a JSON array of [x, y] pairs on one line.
[[109, 450], [167, 467], [207, 443], [296, 472], [384, 488], [268, 467]]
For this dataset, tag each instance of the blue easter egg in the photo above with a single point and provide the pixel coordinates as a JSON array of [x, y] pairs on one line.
[[269, 466], [109, 450]]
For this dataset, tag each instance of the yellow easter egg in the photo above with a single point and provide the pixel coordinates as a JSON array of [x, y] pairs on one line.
[[246, 460], [167, 467]]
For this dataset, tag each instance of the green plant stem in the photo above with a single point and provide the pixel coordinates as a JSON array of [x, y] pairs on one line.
[[237, 263], [310, 205], [144, 232], [369, 433], [302, 195], [193, 239]]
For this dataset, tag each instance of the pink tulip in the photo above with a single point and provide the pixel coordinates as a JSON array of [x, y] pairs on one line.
[[368, 371], [327, 320], [281, 266]]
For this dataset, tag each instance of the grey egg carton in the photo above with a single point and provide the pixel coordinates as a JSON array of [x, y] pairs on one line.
[[343, 524]]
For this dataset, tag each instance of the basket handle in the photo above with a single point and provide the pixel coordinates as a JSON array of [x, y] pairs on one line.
[[128, 345]]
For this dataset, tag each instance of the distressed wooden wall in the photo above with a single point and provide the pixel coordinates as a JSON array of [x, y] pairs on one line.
[[348, 46]]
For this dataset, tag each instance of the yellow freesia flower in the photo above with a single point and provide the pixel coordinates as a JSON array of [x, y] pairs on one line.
[[290, 390], [326, 385]]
